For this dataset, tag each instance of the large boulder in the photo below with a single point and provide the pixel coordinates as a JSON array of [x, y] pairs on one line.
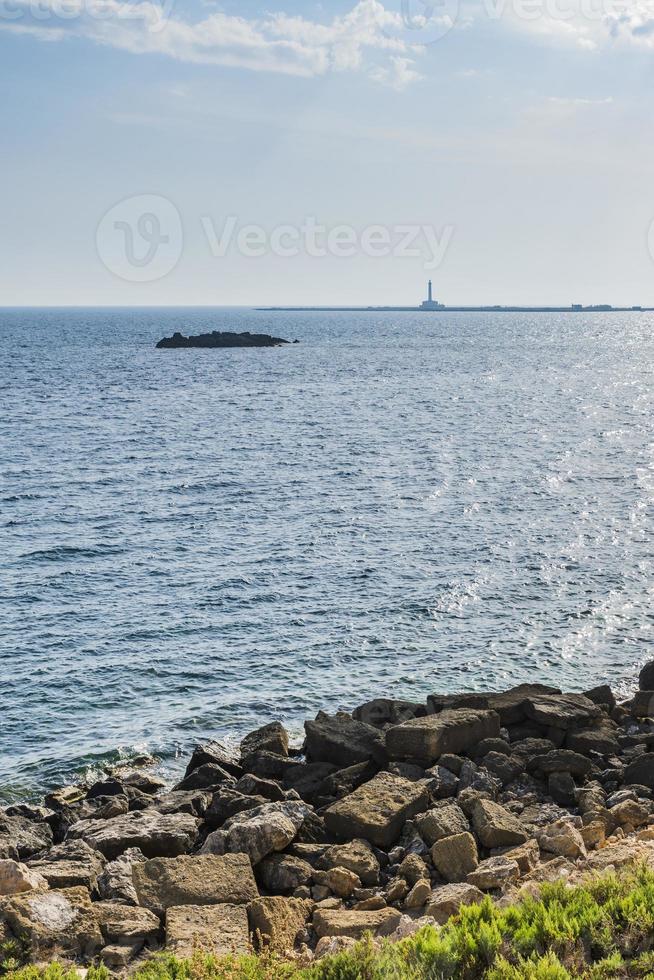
[[69, 864], [116, 882], [20, 838], [356, 856], [353, 924], [55, 922], [377, 810], [495, 826], [511, 705], [425, 740], [560, 760], [640, 772], [203, 879], [156, 834], [341, 740], [444, 820], [600, 737], [448, 899], [216, 929], [126, 925], [455, 857], [206, 777], [646, 677], [279, 923], [281, 874], [494, 872], [217, 753], [564, 711], [270, 738], [258, 832], [386, 711]]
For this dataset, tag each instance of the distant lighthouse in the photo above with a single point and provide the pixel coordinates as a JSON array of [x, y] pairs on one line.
[[430, 303]]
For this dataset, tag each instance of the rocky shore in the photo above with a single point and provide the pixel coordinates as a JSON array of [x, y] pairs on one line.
[[386, 819]]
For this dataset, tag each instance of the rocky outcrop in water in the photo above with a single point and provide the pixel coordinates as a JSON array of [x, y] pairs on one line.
[[385, 819], [221, 339]]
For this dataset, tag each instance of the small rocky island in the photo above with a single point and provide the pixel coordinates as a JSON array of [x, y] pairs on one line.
[[384, 820], [219, 338]]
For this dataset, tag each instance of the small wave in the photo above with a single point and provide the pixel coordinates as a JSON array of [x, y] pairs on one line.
[[67, 552]]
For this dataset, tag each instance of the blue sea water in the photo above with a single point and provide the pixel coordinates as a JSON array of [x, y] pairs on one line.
[[197, 542]]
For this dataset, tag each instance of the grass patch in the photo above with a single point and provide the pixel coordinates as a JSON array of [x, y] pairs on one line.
[[601, 930]]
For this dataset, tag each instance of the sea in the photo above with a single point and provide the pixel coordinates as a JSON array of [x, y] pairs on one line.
[[196, 542]]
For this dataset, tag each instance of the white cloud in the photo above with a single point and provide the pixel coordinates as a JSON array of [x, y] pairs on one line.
[[367, 38]]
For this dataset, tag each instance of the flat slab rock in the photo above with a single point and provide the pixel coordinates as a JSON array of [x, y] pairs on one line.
[[216, 929], [425, 740], [155, 834], [203, 879], [561, 710], [341, 740], [377, 810], [346, 922]]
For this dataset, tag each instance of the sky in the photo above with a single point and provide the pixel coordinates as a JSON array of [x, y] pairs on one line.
[[198, 152]]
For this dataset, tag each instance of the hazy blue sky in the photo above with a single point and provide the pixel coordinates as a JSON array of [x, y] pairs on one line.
[[520, 131]]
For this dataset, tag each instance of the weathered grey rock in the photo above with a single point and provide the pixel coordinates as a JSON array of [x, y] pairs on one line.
[[494, 872], [270, 765], [216, 929], [156, 834], [561, 787], [258, 832], [560, 760], [506, 768], [646, 677], [226, 803], [126, 925], [479, 779], [282, 874], [60, 921], [441, 782], [495, 826], [357, 856], [563, 711], [511, 705], [21, 838], [116, 882], [251, 785], [455, 857], [436, 703], [377, 810], [444, 820], [117, 957], [386, 711], [601, 738], [206, 777], [307, 780], [193, 801], [343, 922], [69, 864], [270, 738], [16, 878], [279, 923], [602, 696], [526, 856], [641, 771], [424, 740], [448, 899], [204, 879], [218, 753], [341, 740]]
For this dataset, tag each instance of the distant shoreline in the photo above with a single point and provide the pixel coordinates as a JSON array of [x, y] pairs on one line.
[[455, 309]]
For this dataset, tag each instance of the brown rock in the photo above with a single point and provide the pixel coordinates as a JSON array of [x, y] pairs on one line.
[[278, 922], [343, 922], [156, 834], [377, 810], [357, 856], [495, 826], [447, 900], [455, 857], [59, 921], [444, 820], [215, 929], [199, 880], [424, 740]]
